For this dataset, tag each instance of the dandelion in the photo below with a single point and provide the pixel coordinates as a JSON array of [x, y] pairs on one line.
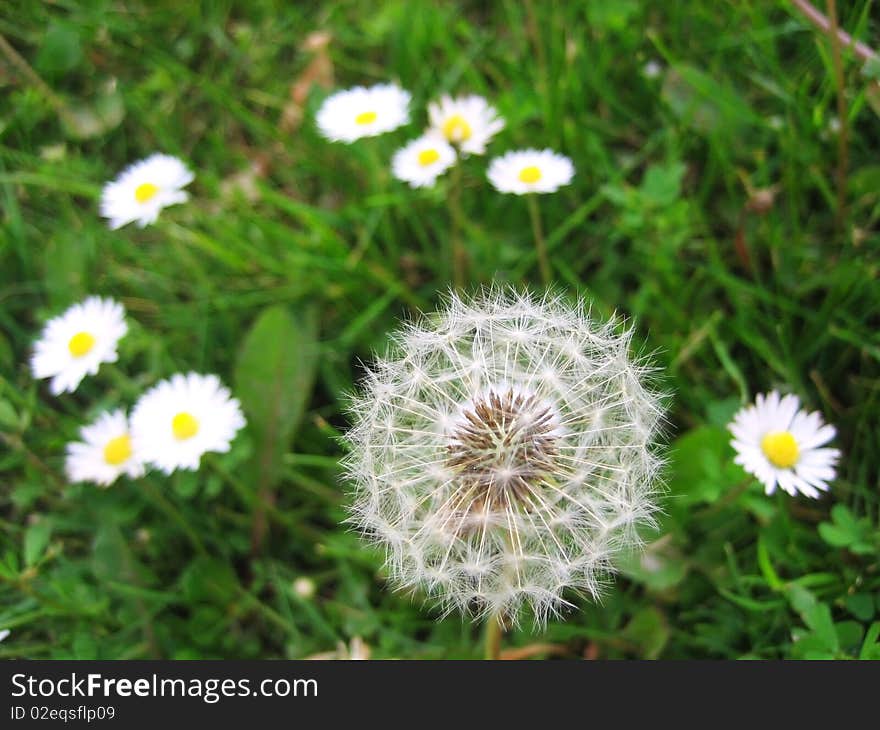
[[181, 418], [779, 443], [75, 343], [143, 189], [105, 452], [423, 160], [466, 121], [503, 452], [532, 171], [363, 111]]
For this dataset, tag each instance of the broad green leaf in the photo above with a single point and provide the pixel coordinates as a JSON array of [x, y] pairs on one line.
[[834, 535], [649, 631], [697, 466], [61, 50], [845, 519], [661, 184], [659, 568], [274, 377], [861, 605], [849, 635]]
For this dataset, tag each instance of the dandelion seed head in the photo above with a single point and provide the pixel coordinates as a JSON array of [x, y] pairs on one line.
[[503, 453]]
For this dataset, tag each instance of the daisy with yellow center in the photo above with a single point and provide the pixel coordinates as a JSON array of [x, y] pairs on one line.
[[75, 343], [181, 418], [363, 111], [468, 122], [530, 171], [423, 160], [779, 443], [105, 452], [143, 189]]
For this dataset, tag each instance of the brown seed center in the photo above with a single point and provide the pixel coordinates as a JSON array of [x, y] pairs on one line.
[[503, 448]]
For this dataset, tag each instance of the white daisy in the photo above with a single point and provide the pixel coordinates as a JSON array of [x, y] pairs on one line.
[[530, 171], [105, 452], [421, 161], [779, 444], [467, 121], [181, 418], [363, 112], [143, 189], [75, 343]]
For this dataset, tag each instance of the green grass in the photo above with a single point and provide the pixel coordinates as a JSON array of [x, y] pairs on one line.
[[657, 225]]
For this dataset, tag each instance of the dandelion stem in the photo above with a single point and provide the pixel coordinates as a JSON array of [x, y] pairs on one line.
[[494, 632], [540, 245], [459, 256]]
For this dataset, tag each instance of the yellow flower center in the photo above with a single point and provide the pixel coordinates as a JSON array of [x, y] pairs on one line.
[[780, 448], [530, 174], [118, 450], [145, 192], [80, 344], [184, 425], [428, 157], [365, 118], [456, 129]]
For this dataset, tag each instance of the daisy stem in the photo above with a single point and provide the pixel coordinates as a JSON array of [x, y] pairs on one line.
[[459, 256], [494, 632], [540, 245], [171, 511]]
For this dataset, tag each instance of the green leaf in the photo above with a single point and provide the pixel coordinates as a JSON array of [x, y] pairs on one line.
[[860, 605], [816, 615], [661, 184], [61, 50], [8, 416], [649, 631], [697, 463], [274, 378], [616, 16], [871, 647], [36, 539], [845, 519], [849, 634], [834, 535], [847, 531], [209, 580], [659, 568]]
